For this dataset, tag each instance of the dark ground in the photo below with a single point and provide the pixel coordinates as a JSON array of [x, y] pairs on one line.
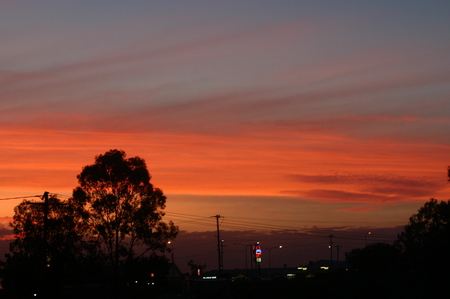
[[330, 285]]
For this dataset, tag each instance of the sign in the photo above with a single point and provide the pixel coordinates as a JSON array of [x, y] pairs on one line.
[[257, 251]]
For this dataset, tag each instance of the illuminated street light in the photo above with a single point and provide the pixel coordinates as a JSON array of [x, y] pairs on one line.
[[246, 253], [270, 249], [171, 243], [368, 233]]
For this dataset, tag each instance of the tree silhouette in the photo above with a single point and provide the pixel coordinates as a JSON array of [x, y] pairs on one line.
[[49, 241], [195, 267], [448, 173], [426, 238], [375, 257], [123, 210]]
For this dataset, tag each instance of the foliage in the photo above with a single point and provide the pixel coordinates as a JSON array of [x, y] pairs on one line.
[[49, 241], [448, 173], [114, 216], [124, 210], [426, 238], [195, 267], [375, 257]]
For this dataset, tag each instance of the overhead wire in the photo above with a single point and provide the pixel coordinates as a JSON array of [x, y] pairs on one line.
[[229, 222], [20, 197]]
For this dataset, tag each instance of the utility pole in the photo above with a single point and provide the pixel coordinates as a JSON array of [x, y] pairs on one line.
[[338, 247], [219, 247], [45, 255], [46, 208], [44, 197], [221, 250], [331, 251]]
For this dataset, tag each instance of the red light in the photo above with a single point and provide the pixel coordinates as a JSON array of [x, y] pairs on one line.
[[152, 274], [258, 251]]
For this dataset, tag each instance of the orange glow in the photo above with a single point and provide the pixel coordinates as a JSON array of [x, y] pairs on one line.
[[269, 161]]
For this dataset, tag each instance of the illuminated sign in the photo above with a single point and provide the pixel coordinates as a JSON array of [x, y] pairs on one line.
[[258, 252]]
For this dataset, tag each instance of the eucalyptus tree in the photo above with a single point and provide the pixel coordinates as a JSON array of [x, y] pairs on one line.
[[124, 210]]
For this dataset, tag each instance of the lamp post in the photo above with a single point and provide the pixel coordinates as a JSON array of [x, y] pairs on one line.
[[270, 249], [171, 243], [368, 233], [246, 254]]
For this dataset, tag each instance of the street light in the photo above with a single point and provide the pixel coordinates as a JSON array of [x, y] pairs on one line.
[[246, 255], [270, 249], [171, 243], [368, 233]]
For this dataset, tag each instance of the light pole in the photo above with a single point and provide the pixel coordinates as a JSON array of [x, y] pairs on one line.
[[246, 254], [368, 233], [171, 243], [270, 249]]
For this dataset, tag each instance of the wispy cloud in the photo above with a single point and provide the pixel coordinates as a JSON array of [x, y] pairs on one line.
[[374, 189]]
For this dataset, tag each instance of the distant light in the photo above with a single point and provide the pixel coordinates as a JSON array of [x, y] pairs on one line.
[[324, 268], [210, 277], [302, 268]]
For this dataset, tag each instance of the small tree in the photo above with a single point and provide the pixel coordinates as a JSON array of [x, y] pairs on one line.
[[426, 238], [49, 242], [195, 268], [124, 210], [375, 257]]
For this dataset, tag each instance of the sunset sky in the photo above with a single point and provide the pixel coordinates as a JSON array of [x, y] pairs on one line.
[[289, 113]]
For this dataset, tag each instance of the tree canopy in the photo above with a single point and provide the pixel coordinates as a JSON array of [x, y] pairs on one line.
[[375, 257], [425, 240], [124, 209], [115, 217], [50, 239]]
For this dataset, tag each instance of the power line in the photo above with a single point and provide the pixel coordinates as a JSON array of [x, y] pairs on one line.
[[313, 232], [20, 197]]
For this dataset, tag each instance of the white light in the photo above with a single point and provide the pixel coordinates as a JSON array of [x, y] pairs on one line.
[[210, 277]]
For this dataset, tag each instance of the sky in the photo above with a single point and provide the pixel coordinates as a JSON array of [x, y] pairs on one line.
[[288, 115]]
